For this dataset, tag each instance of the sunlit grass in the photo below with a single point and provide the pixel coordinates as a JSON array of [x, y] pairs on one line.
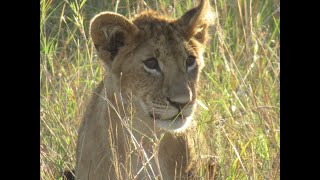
[[239, 85]]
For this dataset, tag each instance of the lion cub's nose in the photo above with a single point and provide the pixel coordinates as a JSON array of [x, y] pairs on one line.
[[178, 92], [180, 100]]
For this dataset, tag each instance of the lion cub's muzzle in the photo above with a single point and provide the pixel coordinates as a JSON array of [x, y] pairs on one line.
[[177, 105], [175, 118], [172, 111]]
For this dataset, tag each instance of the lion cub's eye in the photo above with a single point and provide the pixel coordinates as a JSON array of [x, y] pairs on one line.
[[152, 64], [190, 62]]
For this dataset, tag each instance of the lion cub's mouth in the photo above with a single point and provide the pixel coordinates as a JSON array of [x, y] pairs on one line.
[[158, 117], [176, 123]]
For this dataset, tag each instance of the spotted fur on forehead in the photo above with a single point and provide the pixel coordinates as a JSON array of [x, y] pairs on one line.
[[156, 27], [152, 23], [164, 33]]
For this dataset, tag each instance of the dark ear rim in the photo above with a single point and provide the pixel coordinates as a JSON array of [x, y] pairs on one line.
[[110, 19], [110, 32], [196, 21]]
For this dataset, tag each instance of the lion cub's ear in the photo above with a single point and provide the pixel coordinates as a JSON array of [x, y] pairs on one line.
[[110, 32], [195, 22]]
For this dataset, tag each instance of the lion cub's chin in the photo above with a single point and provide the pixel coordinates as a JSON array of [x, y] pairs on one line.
[[178, 125]]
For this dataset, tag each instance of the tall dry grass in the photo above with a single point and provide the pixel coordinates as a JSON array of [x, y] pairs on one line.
[[240, 85]]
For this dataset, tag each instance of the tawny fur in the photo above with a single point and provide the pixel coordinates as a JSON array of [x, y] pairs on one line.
[[132, 101]]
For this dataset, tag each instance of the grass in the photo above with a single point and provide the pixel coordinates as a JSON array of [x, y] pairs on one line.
[[240, 84]]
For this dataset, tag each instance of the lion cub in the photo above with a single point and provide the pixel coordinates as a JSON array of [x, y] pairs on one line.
[[136, 124]]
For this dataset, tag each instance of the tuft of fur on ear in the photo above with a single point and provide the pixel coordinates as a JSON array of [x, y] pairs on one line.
[[196, 21], [110, 32]]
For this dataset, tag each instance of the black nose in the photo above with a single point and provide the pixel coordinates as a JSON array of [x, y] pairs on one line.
[[177, 104]]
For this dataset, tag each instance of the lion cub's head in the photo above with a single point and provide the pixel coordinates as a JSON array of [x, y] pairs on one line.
[[156, 59]]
